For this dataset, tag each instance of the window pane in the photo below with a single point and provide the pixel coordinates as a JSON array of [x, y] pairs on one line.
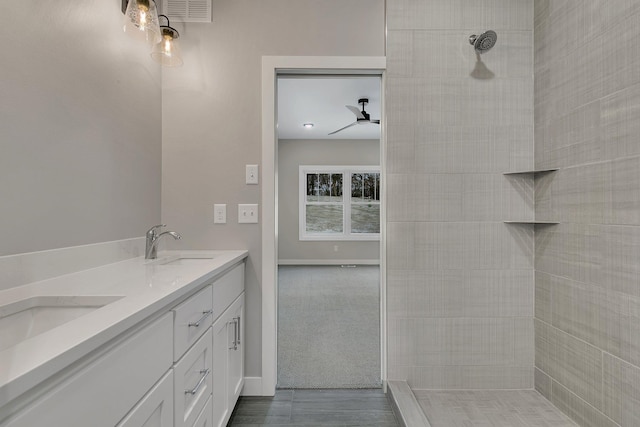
[[324, 219], [369, 186], [356, 187], [312, 187], [324, 187], [365, 218], [336, 187]]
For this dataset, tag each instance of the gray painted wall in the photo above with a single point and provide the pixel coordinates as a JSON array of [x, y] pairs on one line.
[[587, 290], [81, 134], [212, 116], [292, 154], [460, 281]]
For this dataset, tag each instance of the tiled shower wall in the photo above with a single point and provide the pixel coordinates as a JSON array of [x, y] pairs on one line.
[[460, 280], [587, 124]]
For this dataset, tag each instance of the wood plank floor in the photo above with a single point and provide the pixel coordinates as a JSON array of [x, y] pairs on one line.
[[315, 408]]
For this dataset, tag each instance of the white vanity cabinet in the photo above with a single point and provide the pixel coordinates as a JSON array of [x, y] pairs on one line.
[[177, 368], [228, 346]]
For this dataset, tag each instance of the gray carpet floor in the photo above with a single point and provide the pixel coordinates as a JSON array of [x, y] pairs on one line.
[[328, 327]]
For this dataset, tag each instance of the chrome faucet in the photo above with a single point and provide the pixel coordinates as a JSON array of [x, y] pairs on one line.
[[152, 240]]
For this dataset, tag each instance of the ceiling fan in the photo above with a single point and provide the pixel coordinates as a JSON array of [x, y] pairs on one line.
[[362, 117]]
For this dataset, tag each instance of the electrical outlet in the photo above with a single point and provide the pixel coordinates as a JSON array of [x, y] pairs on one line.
[[219, 214], [252, 174], [247, 214]]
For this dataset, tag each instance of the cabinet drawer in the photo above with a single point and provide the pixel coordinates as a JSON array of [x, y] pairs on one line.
[[101, 393], [227, 288], [192, 378], [155, 409], [191, 320], [204, 419]]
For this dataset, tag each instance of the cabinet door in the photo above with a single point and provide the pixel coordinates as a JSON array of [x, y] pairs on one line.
[[220, 397], [236, 350], [101, 393], [155, 409]]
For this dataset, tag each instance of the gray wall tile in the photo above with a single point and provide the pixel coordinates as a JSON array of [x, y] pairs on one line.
[[460, 281], [621, 391], [587, 111], [580, 411], [569, 361]]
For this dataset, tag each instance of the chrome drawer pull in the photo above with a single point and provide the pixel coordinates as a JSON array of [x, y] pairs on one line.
[[205, 314], [204, 373], [234, 345], [238, 332]]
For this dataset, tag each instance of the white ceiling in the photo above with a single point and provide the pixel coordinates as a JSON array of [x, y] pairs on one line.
[[321, 100]]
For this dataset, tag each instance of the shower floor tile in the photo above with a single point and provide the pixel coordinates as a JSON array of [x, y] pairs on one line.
[[490, 408]]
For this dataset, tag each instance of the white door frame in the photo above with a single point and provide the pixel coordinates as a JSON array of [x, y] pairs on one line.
[[271, 67]]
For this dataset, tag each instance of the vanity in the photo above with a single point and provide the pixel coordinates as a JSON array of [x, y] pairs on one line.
[[136, 343]]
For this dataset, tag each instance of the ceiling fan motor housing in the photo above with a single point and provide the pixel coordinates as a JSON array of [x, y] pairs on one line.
[[363, 101]]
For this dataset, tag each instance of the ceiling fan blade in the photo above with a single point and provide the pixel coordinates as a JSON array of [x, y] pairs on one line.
[[347, 126], [355, 111]]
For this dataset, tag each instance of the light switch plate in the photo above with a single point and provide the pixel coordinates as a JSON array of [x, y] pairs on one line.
[[219, 214], [252, 174], [247, 214]]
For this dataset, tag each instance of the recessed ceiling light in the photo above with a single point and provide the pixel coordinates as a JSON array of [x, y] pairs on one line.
[[307, 125]]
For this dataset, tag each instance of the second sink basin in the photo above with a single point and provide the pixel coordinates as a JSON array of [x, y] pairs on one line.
[[186, 260], [29, 317]]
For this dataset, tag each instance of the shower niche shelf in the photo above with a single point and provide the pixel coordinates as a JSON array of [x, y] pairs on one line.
[[531, 172], [531, 175], [533, 222]]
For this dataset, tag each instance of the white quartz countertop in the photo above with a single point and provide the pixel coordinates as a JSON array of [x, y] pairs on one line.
[[145, 287]]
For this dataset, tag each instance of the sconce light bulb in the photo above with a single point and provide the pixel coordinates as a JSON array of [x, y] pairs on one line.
[[143, 19], [167, 52]]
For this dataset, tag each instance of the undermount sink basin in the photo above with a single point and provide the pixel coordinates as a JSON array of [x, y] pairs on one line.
[[29, 317], [187, 260]]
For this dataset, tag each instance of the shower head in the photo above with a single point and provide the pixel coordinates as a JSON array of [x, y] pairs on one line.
[[484, 42]]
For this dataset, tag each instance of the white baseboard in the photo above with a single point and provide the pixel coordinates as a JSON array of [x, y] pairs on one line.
[[252, 386], [328, 261]]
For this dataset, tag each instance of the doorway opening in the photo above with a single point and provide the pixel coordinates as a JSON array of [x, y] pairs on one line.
[[328, 162], [274, 68]]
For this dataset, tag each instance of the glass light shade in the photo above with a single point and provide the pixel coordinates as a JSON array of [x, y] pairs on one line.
[[167, 51], [141, 21]]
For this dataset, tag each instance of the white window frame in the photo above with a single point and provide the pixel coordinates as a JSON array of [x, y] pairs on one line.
[[346, 171]]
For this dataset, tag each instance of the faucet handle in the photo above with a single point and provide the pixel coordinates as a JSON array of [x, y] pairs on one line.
[[153, 229]]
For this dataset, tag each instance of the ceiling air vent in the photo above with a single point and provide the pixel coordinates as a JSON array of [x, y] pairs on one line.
[[187, 10]]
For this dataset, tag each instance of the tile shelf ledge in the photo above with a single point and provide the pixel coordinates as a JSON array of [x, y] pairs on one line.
[[531, 172], [534, 222]]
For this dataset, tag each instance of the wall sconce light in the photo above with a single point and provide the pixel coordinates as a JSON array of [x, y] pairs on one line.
[[141, 20], [167, 50]]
